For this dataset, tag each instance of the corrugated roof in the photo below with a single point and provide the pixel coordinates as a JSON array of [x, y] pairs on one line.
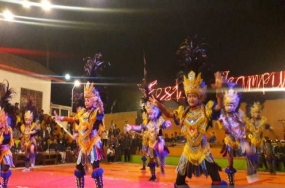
[[21, 65]]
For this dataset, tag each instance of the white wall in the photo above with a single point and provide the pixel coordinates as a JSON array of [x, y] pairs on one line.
[[17, 81]]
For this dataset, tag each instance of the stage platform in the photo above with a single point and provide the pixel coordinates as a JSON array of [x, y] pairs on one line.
[[176, 151], [128, 175]]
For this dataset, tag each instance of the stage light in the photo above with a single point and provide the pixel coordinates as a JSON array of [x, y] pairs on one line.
[[8, 15], [67, 77], [76, 83], [46, 5], [26, 4]]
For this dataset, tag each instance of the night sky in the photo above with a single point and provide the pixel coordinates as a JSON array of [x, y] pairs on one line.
[[245, 37]]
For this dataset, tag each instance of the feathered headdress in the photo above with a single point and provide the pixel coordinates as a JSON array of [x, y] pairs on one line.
[[6, 94], [89, 90], [231, 96], [194, 85], [3, 117], [29, 115], [256, 107]]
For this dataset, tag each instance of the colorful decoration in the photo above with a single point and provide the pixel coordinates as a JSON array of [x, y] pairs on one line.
[[192, 54], [6, 94], [274, 81], [194, 84], [94, 67]]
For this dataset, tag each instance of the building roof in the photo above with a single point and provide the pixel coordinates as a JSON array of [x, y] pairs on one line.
[[21, 65]]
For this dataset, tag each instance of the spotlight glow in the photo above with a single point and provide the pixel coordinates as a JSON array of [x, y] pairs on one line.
[[26, 4], [8, 15], [67, 77], [76, 83], [46, 5]]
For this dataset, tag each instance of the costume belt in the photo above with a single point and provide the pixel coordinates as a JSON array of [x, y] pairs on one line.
[[4, 147]]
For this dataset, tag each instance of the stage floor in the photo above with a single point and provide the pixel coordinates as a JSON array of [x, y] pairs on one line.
[[117, 175]]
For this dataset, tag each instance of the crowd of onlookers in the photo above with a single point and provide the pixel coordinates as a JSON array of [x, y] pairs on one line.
[[49, 137], [175, 138], [120, 143]]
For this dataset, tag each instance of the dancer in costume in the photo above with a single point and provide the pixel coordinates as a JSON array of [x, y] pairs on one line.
[[6, 133], [196, 158], [90, 126], [144, 148], [255, 126], [144, 142], [28, 141], [156, 148], [6, 142], [232, 121]]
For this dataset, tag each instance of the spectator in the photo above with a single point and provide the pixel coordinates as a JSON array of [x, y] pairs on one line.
[[18, 117], [134, 143], [16, 107], [48, 131], [61, 149], [279, 155], [116, 130], [139, 143], [61, 133], [44, 133], [270, 157], [74, 148], [16, 133], [105, 137], [52, 144], [127, 142], [112, 128], [39, 143], [126, 123], [38, 127], [167, 139], [119, 148], [45, 145], [111, 154]]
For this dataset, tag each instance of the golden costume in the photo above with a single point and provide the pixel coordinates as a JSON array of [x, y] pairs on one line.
[[196, 158], [232, 121], [90, 124], [144, 141], [153, 142], [88, 139], [28, 130], [255, 126], [6, 142]]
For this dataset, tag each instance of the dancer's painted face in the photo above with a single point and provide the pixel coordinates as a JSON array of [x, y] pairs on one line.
[[256, 114], [192, 99], [89, 102], [230, 107], [28, 121], [92, 101], [153, 113]]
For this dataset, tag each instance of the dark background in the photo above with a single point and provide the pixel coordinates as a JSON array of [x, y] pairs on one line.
[[244, 36]]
